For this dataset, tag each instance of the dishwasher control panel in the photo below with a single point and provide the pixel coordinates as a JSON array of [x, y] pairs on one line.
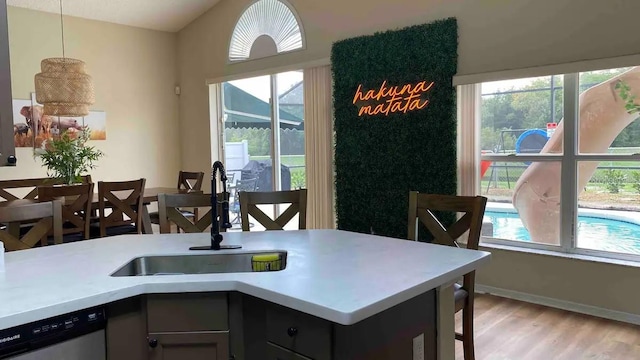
[[42, 333]]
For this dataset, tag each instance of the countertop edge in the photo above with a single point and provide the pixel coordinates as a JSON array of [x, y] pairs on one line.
[[339, 317]]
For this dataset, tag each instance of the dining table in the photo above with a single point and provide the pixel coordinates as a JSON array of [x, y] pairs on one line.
[[150, 195]]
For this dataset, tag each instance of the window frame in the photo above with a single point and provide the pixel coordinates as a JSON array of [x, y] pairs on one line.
[[469, 113]]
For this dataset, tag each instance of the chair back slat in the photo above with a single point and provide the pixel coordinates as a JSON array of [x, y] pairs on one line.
[[169, 212], [296, 198], [49, 219], [435, 227], [123, 198], [29, 187], [453, 203], [425, 206], [76, 205], [190, 180]]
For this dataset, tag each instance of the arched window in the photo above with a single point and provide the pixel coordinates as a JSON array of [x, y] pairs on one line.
[[267, 27]]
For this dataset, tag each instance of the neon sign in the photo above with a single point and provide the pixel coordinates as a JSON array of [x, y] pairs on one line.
[[392, 99]]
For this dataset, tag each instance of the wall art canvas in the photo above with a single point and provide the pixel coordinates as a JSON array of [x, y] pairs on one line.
[[31, 127]]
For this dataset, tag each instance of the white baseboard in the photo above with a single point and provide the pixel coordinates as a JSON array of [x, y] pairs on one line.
[[561, 304]]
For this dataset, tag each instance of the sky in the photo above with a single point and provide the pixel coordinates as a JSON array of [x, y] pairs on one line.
[[496, 86], [260, 86]]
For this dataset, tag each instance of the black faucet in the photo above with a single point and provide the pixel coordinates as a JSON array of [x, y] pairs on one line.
[[216, 237]]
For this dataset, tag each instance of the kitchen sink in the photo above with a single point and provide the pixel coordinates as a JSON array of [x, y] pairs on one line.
[[204, 264]]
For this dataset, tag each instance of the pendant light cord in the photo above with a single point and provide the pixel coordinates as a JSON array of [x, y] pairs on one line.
[[62, 29]]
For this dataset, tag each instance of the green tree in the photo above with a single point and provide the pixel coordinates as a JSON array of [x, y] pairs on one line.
[[530, 106], [498, 112], [535, 103]]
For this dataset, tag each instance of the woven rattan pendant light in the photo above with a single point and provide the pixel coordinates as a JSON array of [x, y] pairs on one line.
[[63, 86]]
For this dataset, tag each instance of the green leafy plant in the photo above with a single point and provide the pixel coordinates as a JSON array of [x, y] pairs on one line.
[[614, 179], [67, 156], [624, 90]]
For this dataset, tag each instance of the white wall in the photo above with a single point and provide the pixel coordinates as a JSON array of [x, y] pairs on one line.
[[134, 73]]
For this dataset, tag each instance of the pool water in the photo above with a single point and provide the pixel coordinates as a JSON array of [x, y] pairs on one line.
[[593, 232]]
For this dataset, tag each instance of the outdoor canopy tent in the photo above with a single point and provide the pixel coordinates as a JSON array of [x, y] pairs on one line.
[[243, 110]]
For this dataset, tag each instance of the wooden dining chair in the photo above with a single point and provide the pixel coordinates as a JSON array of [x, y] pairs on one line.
[[296, 198], [423, 207], [76, 208], [190, 180], [125, 201], [186, 181], [45, 216], [169, 209]]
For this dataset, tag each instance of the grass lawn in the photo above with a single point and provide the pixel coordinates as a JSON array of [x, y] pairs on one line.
[[288, 160]]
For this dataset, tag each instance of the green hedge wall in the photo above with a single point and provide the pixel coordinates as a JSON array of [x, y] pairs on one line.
[[380, 158]]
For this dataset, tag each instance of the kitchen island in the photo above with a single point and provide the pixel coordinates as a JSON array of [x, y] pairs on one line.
[[338, 277]]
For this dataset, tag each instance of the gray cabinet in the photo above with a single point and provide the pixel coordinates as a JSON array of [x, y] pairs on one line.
[[196, 326], [275, 332], [188, 326], [299, 332], [201, 345], [169, 326]]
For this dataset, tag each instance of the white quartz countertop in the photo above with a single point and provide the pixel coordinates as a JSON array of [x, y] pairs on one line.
[[339, 276]]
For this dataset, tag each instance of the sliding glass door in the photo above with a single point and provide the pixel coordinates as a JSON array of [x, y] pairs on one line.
[[252, 109]]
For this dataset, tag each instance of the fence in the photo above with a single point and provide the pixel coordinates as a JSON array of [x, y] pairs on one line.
[[504, 175]]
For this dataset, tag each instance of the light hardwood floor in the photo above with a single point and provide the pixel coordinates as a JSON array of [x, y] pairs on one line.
[[515, 330]]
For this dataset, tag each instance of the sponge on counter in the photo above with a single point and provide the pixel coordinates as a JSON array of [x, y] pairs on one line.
[[265, 257], [265, 262]]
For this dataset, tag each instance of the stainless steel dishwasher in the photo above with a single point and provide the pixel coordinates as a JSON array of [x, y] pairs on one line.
[[78, 335]]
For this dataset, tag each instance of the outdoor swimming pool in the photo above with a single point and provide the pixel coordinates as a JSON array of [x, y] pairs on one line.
[[595, 233]]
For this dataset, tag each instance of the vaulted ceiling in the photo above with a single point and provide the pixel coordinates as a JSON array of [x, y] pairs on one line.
[[164, 15]]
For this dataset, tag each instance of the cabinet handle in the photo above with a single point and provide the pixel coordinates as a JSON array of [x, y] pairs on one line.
[[153, 342], [292, 331]]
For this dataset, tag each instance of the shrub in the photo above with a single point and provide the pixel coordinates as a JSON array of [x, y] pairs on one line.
[[298, 180], [614, 179], [635, 175]]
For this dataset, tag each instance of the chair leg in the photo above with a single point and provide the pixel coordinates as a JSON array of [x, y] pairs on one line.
[[467, 331]]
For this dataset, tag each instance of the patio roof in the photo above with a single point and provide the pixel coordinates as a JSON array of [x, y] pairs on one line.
[[245, 110]]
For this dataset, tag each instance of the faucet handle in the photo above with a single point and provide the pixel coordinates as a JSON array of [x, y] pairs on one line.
[[224, 217]]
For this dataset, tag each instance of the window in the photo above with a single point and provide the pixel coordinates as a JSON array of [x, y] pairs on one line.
[[267, 27], [560, 162]]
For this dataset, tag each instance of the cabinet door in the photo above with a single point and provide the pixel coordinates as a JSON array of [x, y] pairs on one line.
[[275, 352], [299, 332], [202, 345]]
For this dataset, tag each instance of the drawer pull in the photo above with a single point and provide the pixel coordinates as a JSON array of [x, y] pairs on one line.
[[153, 343], [292, 331]]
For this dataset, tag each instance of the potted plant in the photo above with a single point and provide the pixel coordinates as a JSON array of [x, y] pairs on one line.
[[67, 157]]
